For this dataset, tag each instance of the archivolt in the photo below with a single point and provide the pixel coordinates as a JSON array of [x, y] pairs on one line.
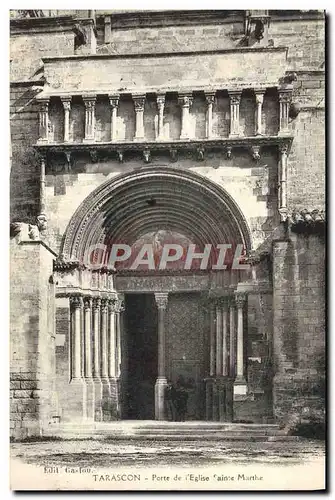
[[125, 207]]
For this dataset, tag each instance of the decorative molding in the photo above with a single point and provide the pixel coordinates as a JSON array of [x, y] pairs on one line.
[[307, 220], [76, 301]]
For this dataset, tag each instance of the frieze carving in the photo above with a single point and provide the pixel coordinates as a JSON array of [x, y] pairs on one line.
[[301, 220]]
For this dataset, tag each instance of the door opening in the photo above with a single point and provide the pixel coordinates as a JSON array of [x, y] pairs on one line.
[[142, 356]]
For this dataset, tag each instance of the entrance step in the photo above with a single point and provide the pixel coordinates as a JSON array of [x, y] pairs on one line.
[[168, 431]]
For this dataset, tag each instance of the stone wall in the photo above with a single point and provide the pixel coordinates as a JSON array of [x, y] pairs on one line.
[[32, 362]]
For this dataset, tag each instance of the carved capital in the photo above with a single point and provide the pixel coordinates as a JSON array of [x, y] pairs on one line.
[[185, 101], [228, 152], [120, 155], [93, 155], [283, 148], [240, 299], [96, 304], [210, 97], [104, 305], [113, 101], [119, 305], [87, 303], [76, 301], [285, 96], [235, 98], [161, 300], [160, 101], [44, 105], [66, 101], [89, 102], [139, 103], [112, 305], [259, 94]]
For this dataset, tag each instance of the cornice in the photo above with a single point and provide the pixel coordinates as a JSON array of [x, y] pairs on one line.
[[29, 25]]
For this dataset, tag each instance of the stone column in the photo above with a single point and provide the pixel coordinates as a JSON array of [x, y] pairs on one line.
[[218, 340], [89, 102], [240, 386], [224, 340], [66, 101], [282, 192], [114, 103], [284, 107], [44, 121], [139, 117], [119, 308], [88, 357], [112, 347], [160, 106], [212, 369], [77, 391], [210, 96], [42, 218], [258, 114], [185, 101], [161, 301], [76, 308], [235, 99], [97, 359], [104, 349], [232, 339]]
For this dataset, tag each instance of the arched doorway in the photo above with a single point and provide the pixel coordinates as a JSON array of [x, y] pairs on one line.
[[168, 327]]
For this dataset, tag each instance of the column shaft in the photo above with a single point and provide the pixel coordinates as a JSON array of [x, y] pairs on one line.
[[224, 341], [66, 101], [44, 121], [76, 308], [96, 331], [232, 340], [104, 363], [284, 106], [160, 105], [87, 338], [212, 342], [114, 102], [161, 301], [240, 299], [112, 347], [185, 102], [235, 99], [218, 341], [139, 117], [282, 177], [209, 121], [258, 114], [89, 118]]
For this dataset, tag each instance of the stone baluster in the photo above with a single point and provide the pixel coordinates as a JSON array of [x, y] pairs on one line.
[[160, 106], [240, 387], [139, 102], [161, 382], [210, 96], [66, 101], [89, 102], [282, 191], [185, 101], [114, 103], [235, 99], [232, 339], [44, 121], [76, 304], [284, 107], [258, 114], [88, 357]]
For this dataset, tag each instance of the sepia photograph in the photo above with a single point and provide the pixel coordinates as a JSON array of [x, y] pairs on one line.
[[167, 250]]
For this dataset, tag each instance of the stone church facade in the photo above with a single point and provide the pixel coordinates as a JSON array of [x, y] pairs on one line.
[[206, 127]]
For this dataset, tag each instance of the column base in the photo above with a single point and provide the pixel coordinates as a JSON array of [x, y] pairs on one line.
[[76, 404], [98, 399], [240, 388], [160, 386], [89, 399]]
